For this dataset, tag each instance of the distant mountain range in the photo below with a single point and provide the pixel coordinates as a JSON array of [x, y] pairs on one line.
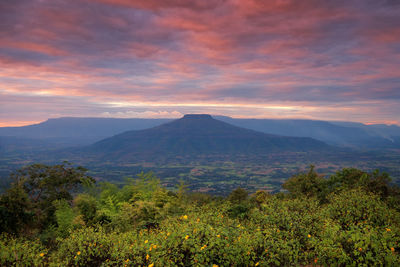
[[194, 135], [345, 134], [67, 132]]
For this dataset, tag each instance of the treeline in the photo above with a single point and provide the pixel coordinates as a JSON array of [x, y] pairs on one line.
[[57, 215]]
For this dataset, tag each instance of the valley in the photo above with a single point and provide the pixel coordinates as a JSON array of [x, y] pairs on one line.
[[207, 154]]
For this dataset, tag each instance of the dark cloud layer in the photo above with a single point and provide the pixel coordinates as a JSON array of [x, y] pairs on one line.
[[283, 58]]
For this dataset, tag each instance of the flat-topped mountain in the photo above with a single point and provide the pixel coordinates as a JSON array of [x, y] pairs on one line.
[[68, 132], [198, 134]]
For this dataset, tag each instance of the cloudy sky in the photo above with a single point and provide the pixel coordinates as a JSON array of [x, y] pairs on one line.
[[317, 59]]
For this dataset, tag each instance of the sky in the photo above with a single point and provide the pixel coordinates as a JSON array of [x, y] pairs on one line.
[[312, 59]]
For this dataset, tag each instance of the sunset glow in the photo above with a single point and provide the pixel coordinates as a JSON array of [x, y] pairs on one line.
[[328, 60]]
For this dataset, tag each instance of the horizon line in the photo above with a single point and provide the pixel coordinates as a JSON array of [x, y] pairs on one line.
[[30, 123]]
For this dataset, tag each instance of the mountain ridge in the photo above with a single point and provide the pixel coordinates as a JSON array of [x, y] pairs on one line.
[[72, 131], [198, 134]]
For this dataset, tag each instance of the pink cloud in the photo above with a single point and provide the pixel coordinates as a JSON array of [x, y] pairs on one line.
[[245, 53]]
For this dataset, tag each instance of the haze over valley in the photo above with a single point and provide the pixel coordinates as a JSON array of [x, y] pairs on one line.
[[211, 153]]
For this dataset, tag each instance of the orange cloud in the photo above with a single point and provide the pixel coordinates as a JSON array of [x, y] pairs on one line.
[[205, 55]]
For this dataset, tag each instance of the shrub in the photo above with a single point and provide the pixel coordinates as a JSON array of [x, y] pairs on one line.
[[21, 252]]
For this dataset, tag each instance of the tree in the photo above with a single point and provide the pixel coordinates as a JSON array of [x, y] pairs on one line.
[[36, 187], [238, 195], [309, 184], [260, 197], [376, 182], [14, 210]]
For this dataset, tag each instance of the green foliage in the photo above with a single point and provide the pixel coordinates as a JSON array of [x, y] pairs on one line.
[[239, 195], [312, 184], [15, 211], [65, 217], [87, 207], [260, 197], [320, 221], [309, 184], [376, 182], [34, 192], [145, 185], [21, 252], [359, 229]]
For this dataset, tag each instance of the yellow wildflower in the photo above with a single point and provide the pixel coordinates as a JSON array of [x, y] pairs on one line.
[[360, 249], [218, 236], [127, 260], [168, 234], [41, 254], [78, 253], [154, 246], [214, 265], [151, 264], [392, 249], [198, 220], [147, 256], [309, 236], [184, 217], [388, 229], [186, 237], [146, 241], [257, 263]]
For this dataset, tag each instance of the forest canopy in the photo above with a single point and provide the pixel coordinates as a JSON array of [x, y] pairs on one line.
[[53, 215]]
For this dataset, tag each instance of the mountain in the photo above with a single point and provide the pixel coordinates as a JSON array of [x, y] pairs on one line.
[[65, 132], [77, 131], [197, 134], [346, 134], [382, 130]]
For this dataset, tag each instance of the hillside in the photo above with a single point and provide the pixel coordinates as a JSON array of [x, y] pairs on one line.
[[78, 131], [346, 134], [64, 132], [196, 135]]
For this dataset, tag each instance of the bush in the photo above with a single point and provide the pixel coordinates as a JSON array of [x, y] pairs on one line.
[[21, 252], [359, 229], [142, 224]]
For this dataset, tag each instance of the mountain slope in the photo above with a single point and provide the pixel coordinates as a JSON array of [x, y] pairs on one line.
[[340, 134], [78, 131], [198, 135], [64, 132]]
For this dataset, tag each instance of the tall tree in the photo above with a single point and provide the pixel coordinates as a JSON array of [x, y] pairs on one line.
[[36, 187]]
